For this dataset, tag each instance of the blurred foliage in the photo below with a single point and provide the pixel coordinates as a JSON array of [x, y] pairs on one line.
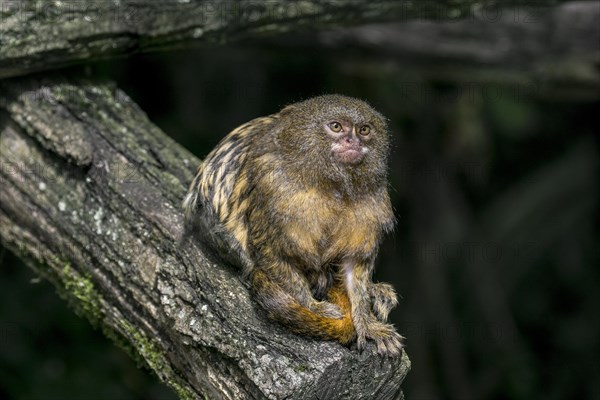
[[495, 253]]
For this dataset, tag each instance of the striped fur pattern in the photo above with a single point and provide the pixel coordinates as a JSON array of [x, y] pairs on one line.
[[218, 194]]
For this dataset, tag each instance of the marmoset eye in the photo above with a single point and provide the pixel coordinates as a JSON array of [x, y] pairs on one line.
[[335, 126], [365, 130]]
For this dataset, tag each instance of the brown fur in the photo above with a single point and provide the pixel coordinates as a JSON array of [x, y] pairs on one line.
[[304, 226]]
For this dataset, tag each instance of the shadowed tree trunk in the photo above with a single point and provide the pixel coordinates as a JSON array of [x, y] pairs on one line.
[[37, 35], [545, 52]]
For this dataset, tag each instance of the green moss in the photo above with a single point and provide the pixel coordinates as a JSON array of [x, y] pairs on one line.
[[301, 368], [182, 393], [82, 289], [155, 360], [84, 298]]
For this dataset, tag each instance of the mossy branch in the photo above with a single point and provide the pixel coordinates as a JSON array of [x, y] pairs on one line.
[[90, 199]]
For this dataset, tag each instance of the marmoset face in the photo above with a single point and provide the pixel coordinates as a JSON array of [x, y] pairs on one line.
[[336, 133], [350, 140]]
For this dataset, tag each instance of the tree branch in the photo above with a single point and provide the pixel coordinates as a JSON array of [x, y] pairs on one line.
[[41, 35], [554, 51], [90, 198]]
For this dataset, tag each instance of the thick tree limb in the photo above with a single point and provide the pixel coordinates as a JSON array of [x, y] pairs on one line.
[[90, 198], [40, 35], [551, 51]]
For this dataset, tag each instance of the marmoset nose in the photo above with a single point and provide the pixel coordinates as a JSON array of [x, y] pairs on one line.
[[351, 139]]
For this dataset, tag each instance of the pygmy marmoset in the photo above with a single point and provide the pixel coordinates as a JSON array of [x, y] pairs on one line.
[[299, 200]]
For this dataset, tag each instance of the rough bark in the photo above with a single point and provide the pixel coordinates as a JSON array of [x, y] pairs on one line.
[[553, 51], [90, 199], [41, 35]]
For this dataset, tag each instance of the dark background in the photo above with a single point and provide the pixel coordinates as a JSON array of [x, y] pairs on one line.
[[495, 255]]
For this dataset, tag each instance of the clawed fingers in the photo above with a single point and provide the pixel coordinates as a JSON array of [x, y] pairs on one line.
[[384, 299], [389, 342], [361, 343], [390, 346]]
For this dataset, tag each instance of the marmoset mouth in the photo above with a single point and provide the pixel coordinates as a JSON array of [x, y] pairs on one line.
[[349, 155]]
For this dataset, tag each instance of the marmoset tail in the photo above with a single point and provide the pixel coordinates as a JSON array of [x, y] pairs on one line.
[[299, 199]]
